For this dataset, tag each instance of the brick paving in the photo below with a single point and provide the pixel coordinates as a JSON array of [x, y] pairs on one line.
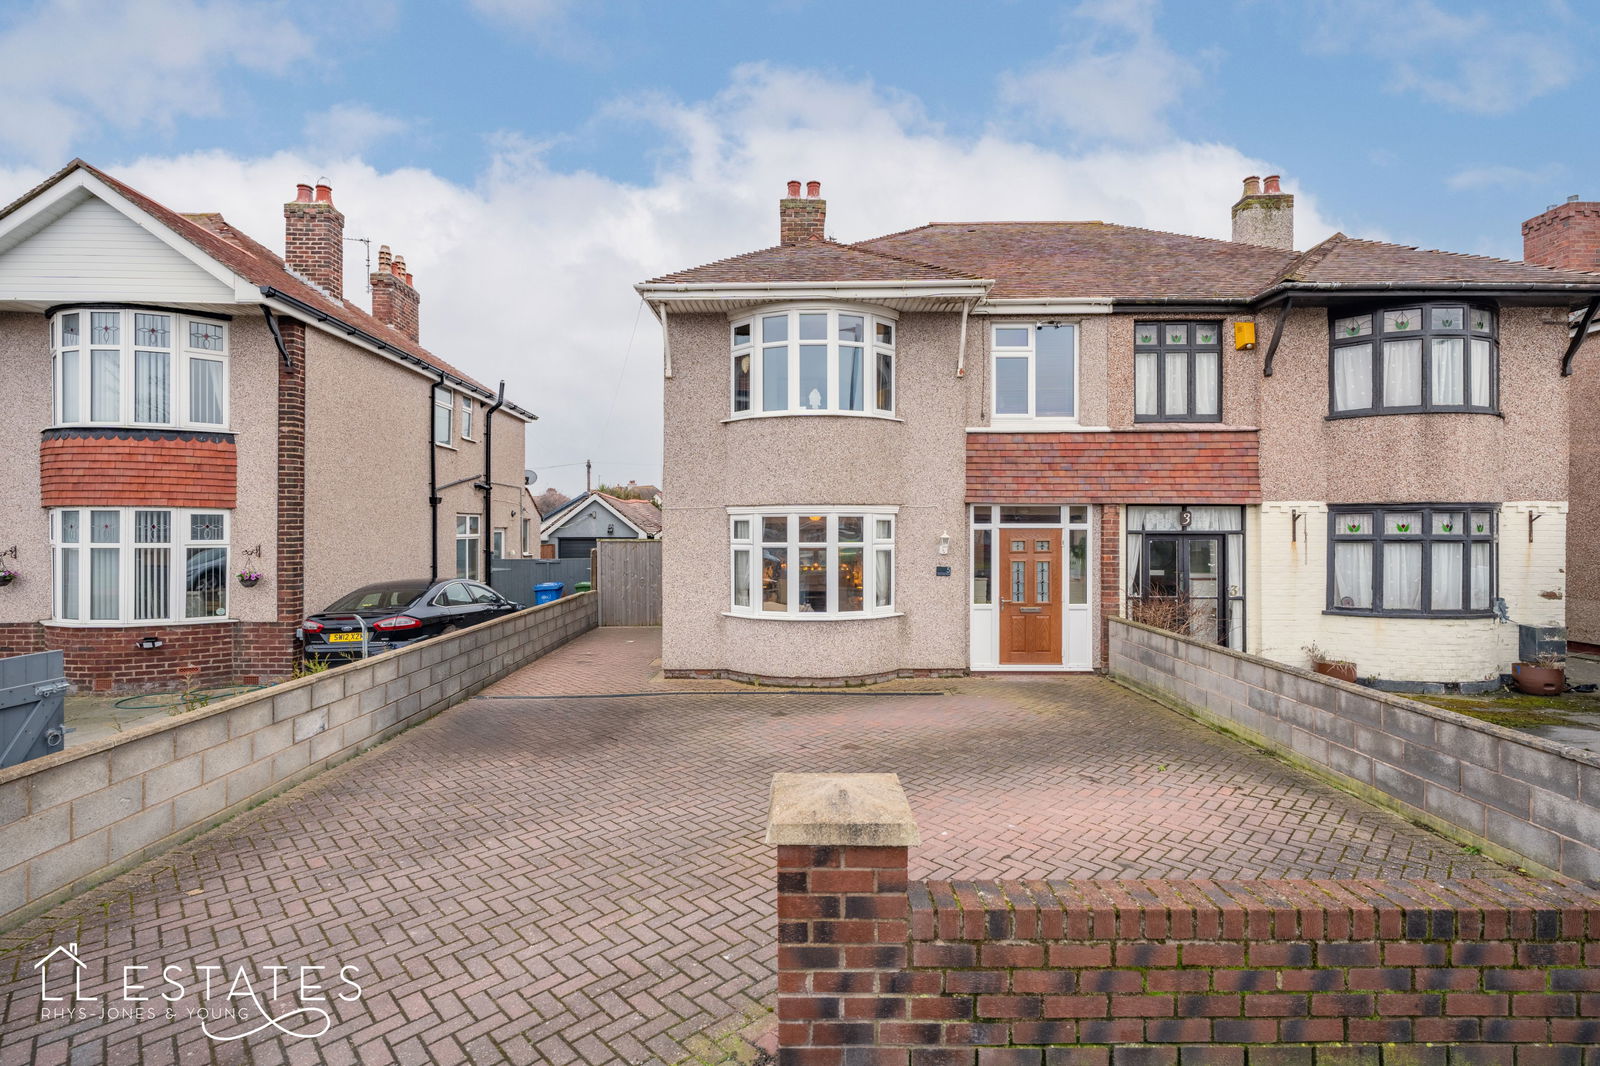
[[548, 875]]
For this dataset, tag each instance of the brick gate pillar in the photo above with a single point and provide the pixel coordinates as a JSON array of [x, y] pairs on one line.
[[842, 913]]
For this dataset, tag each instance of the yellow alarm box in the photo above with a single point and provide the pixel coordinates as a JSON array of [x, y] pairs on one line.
[[1244, 336]]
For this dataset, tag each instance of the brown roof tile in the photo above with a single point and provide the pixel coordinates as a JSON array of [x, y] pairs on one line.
[[814, 261], [1055, 259], [1342, 260]]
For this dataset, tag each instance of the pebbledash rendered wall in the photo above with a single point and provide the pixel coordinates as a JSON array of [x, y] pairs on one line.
[[879, 969], [75, 818], [1520, 798]]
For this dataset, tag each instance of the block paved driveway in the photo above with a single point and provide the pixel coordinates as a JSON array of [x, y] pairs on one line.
[[545, 874]]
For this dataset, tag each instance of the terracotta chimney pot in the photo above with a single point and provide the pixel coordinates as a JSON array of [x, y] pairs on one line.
[[324, 193], [1252, 185], [794, 189], [302, 194], [813, 189], [1271, 183]]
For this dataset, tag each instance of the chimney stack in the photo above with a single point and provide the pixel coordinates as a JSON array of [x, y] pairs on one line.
[[394, 297], [1566, 236], [802, 219], [1264, 216], [313, 239]]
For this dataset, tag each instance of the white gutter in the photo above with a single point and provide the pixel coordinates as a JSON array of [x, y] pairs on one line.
[[1067, 305]]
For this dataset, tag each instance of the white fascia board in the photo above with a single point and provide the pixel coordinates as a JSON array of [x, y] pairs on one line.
[[1075, 305], [594, 497]]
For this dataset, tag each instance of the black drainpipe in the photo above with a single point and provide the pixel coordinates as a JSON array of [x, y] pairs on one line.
[[433, 492], [488, 485]]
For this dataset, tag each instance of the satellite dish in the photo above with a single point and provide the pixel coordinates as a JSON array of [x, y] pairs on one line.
[[530, 476]]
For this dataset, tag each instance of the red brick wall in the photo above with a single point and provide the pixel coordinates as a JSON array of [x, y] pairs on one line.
[[871, 969], [396, 303], [273, 650], [1116, 466], [137, 468], [1110, 579], [1567, 236], [106, 660]]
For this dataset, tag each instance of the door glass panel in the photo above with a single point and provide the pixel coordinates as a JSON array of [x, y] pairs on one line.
[[982, 541], [1163, 566], [1042, 580], [1078, 562], [1019, 581], [1019, 515], [1202, 568], [1041, 545]]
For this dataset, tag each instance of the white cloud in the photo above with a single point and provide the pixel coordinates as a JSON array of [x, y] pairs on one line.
[[349, 129], [526, 273], [1503, 176], [1478, 61], [1117, 80], [69, 67]]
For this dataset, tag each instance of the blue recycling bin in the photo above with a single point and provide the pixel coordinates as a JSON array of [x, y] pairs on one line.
[[548, 592]]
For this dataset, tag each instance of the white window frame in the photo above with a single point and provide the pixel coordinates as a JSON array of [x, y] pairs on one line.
[[871, 348], [871, 545], [497, 541], [180, 354], [178, 545], [444, 399], [473, 533], [466, 417], [997, 352]]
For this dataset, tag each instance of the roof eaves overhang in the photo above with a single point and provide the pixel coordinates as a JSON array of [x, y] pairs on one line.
[[1046, 305], [331, 324], [697, 297], [1312, 293]]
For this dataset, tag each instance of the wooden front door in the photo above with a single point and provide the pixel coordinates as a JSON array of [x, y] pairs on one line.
[[1030, 597]]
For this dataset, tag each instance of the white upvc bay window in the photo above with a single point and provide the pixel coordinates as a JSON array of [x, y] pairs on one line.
[[128, 565], [813, 360], [139, 367], [812, 564]]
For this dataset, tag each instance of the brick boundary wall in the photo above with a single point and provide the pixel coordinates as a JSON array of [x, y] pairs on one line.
[[73, 819], [1028, 973], [875, 969], [1523, 799]]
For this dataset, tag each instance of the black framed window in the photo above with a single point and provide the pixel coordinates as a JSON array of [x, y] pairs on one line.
[[1426, 559], [1406, 358], [1177, 372]]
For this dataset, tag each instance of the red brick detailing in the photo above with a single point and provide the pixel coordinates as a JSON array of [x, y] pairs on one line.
[[105, 660], [20, 638], [1116, 466], [272, 650], [136, 468], [1110, 579], [934, 971], [800, 218], [313, 243], [1566, 237]]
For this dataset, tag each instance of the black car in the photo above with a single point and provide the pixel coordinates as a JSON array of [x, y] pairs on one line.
[[398, 613]]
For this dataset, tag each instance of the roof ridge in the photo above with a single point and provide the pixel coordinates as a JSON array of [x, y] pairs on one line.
[[1310, 257], [914, 262]]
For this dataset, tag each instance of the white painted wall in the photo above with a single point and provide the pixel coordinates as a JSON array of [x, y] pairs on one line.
[[1401, 649]]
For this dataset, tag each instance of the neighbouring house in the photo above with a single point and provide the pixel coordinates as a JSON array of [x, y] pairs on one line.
[[962, 446], [187, 406], [1567, 236], [572, 530]]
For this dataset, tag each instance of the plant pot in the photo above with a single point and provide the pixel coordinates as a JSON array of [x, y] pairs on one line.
[[249, 582], [1539, 680], [1343, 670]]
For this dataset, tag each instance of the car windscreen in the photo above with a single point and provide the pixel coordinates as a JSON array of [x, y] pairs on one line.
[[378, 598]]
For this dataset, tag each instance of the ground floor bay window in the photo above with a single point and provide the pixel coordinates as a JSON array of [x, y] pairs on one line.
[[1433, 560], [1185, 566], [818, 563], [126, 565]]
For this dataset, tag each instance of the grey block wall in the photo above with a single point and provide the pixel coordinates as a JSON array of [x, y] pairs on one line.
[[74, 818], [1519, 796]]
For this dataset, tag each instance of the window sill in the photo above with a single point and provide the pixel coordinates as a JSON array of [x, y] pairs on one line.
[[69, 623], [812, 616], [1436, 616], [1037, 425], [1339, 416], [1147, 422], [752, 416], [437, 444]]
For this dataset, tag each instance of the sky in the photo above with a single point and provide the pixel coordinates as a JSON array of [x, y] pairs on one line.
[[533, 159]]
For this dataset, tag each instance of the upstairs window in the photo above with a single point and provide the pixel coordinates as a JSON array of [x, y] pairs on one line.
[[1177, 372], [1421, 559], [131, 367], [466, 418], [1417, 357], [443, 412], [813, 361], [1035, 371]]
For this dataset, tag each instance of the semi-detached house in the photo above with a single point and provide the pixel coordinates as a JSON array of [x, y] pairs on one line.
[[186, 406], [962, 446]]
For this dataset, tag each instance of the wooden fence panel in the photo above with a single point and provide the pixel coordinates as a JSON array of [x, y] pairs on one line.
[[628, 578]]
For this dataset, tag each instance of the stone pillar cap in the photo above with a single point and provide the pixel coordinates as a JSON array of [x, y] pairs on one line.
[[868, 810]]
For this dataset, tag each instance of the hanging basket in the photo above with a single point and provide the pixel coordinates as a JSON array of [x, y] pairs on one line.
[[249, 582]]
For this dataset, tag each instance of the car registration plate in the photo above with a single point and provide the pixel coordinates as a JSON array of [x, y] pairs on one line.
[[340, 638]]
